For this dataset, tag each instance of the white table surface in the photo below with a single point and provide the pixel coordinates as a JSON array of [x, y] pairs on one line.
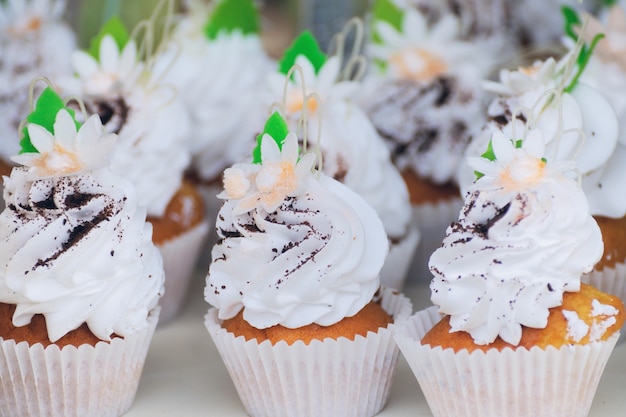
[[184, 375]]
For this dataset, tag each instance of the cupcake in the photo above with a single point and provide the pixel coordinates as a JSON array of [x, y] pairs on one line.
[[569, 99], [313, 86], [216, 60], [35, 41], [424, 97], [73, 334], [295, 288], [152, 150], [511, 313]]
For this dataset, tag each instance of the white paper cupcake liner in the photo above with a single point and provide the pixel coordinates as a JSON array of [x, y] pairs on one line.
[[87, 381], [433, 221], [394, 272], [330, 378], [180, 258], [512, 383], [611, 281]]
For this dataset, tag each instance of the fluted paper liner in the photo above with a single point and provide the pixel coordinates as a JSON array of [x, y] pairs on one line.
[[433, 220], [180, 257], [396, 267], [86, 381], [330, 378], [512, 383]]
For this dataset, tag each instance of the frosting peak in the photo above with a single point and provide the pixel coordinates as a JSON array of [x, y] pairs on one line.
[[524, 236]]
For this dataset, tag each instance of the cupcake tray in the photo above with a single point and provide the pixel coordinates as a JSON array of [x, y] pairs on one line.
[[184, 375]]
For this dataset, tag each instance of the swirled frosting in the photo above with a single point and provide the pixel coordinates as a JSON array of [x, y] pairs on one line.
[[294, 247], [524, 236], [34, 41], [74, 245]]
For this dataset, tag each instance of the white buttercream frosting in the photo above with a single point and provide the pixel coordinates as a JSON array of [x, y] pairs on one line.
[[524, 236], [74, 245], [295, 247], [580, 125], [423, 93], [147, 114], [34, 41], [218, 80], [353, 152]]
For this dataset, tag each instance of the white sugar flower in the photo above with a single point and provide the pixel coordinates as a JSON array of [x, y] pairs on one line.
[[280, 175], [113, 71], [67, 151], [422, 53], [541, 76], [518, 165], [21, 17], [325, 85]]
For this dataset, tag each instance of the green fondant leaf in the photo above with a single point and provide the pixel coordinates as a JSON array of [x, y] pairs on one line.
[[229, 15], [48, 105], [306, 45], [571, 17], [386, 11], [277, 128], [114, 27]]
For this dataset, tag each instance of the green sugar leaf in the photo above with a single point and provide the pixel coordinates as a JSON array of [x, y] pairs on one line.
[[229, 15], [277, 128], [46, 108], [306, 45], [113, 27], [386, 11], [571, 17]]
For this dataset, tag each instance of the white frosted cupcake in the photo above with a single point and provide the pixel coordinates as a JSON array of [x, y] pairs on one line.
[[515, 331], [34, 42], [73, 334], [576, 108], [295, 288], [423, 94], [311, 85], [152, 151]]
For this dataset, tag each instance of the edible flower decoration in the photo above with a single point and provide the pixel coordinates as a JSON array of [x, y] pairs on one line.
[[24, 17], [406, 47], [55, 144], [275, 174], [111, 62], [516, 164], [232, 15], [306, 72]]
